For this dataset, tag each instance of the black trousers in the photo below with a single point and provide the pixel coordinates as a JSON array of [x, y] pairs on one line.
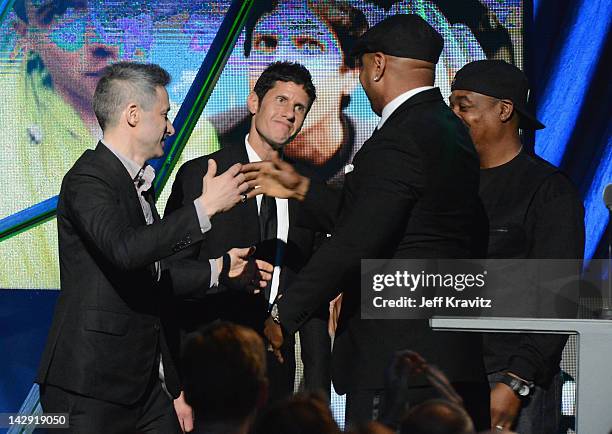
[[281, 376], [315, 345], [153, 413], [366, 405]]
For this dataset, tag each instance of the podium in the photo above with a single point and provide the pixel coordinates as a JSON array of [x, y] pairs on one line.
[[594, 358]]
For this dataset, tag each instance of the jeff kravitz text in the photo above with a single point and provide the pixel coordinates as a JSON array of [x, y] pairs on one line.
[[422, 281]]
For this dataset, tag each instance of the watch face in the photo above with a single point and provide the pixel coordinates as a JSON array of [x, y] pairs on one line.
[[520, 388], [523, 390]]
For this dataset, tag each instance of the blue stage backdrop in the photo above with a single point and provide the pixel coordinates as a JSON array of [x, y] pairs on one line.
[[52, 51]]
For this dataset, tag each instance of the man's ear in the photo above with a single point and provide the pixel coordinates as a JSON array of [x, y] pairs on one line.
[[506, 110], [253, 103], [380, 63], [132, 114]]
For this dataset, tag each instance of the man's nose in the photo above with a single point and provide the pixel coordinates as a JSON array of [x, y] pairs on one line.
[[169, 128], [289, 114], [101, 51], [98, 48]]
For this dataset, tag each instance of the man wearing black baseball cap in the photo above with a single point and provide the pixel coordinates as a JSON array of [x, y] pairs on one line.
[[534, 212], [401, 201]]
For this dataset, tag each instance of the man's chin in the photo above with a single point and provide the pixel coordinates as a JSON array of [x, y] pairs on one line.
[[285, 142], [159, 152], [278, 146]]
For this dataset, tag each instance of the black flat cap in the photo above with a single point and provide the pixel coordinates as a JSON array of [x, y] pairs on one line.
[[501, 80], [402, 35]]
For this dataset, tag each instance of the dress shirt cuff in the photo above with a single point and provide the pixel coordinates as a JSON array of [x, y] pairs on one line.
[[522, 368], [214, 272], [202, 216]]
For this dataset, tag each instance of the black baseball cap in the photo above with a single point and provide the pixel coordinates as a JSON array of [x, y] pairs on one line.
[[401, 35], [498, 79]]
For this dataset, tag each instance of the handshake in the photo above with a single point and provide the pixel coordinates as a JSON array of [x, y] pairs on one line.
[[240, 271], [237, 184], [240, 182]]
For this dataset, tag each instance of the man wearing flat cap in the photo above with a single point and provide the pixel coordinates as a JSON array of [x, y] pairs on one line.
[[534, 212], [413, 193]]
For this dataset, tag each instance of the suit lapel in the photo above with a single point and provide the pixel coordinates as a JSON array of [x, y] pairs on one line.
[[248, 210], [293, 217], [149, 196], [120, 177], [239, 153]]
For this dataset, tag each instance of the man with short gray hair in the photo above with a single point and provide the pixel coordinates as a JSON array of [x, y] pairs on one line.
[[106, 362], [120, 82]]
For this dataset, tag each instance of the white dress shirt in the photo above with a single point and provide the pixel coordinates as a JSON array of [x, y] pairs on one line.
[[282, 227]]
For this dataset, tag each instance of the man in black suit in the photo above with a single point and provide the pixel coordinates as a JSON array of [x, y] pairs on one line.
[[106, 361], [278, 105], [413, 193]]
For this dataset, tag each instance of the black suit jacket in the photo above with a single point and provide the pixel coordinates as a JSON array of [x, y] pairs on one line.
[[238, 227], [106, 334], [413, 193]]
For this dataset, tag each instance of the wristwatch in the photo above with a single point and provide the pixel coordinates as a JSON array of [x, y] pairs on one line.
[[274, 313], [522, 388]]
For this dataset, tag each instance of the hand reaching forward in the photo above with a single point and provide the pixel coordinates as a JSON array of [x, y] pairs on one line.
[[184, 413], [276, 178], [221, 192], [245, 272]]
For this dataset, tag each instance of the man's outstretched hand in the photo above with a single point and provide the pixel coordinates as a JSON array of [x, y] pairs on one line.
[[221, 192], [275, 177], [245, 272]]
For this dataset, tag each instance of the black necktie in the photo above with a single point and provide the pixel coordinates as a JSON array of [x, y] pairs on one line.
[[268, 225], [149, 196], [267, 218]]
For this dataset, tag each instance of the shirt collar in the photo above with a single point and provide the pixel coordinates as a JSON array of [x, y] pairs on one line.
[[398, 101], [142, 176], [253, 157]]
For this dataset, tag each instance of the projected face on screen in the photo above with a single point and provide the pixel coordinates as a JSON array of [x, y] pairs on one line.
[[64, 46], [317, 35], [320, 34], [77, 39], [49, 73]]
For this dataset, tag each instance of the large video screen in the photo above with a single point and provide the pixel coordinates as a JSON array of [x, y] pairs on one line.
[[52, 52]]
